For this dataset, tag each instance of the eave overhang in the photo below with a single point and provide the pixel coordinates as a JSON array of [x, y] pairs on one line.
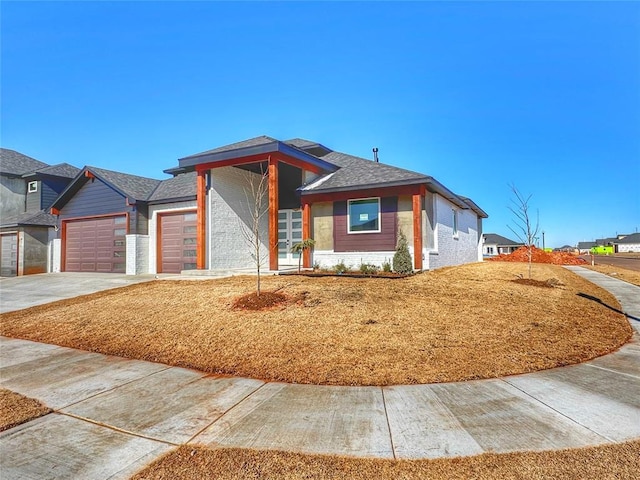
[[191, 163]]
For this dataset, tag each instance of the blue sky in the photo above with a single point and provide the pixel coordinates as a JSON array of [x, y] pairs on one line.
[[480, 95]]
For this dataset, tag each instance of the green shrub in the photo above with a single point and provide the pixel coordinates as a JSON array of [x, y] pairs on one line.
[[386, 267], [402, 262], [340, 267], [369, 269]]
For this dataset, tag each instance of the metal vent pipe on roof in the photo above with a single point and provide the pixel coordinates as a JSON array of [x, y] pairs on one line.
[[375, 154]]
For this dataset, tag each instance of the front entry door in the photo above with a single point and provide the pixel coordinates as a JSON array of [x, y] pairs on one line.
[[289, 233]]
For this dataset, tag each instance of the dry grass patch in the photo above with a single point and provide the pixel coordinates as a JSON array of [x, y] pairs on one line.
[[451, 324], [630, 276], [16, 409], [620, 461]]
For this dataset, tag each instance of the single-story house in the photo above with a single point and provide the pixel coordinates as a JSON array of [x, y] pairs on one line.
[[494, 244], [628, 243], [352, 207], [585, 247], [27, 189]]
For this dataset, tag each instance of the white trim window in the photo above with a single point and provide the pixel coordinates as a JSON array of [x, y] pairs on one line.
[[455, 222], [32, 186], [363, 215]]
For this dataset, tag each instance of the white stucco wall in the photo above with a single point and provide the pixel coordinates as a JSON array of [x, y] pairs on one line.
[[453, 249], [628, 247], [328, 258], [153, 227], [229, 206]]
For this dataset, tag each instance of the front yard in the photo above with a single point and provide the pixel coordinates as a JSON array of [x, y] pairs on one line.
[[451, 324]]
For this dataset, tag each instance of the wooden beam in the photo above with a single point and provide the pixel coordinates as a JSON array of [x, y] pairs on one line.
[[306, 233], [273, 213], [88, 174], [417, 231], [201, 222]]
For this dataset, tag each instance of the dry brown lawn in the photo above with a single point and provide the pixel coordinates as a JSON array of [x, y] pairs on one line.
[[630, 276], [620, 461], [450, 324], [16, 409]]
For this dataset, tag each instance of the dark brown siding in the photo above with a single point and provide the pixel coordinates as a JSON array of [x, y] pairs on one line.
[[366, 242]]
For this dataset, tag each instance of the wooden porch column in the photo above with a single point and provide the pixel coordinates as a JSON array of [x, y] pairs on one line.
[[273, 213], [417, 230], [306, 233], [201, 230]]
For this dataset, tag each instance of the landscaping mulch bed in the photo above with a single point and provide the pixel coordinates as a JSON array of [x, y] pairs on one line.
[[607, 462], [629, 276], [16, 409], [450, 324]]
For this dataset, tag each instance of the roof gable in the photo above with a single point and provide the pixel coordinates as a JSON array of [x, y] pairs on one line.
[[132, 187]]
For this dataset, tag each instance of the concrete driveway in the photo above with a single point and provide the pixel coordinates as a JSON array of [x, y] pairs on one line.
[[17, 293]]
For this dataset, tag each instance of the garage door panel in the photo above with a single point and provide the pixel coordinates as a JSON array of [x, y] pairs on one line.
[[95, 245], [177, 242]]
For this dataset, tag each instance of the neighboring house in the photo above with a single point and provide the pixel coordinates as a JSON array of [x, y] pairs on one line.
[[585, 247], [494, 244], [104, 219], [352, 207], [628, 243], [27, 189]]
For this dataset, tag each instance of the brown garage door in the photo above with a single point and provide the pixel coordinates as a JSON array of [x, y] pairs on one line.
[[8, 255], [96, 245], [177, 233]]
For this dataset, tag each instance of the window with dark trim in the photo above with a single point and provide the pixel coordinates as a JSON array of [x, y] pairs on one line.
[[363, 215]]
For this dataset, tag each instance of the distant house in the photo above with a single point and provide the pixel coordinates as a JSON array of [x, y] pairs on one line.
[[494, 244], [628, 243], [27, 189], [585, 247]]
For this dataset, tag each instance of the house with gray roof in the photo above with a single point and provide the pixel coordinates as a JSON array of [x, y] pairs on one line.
[[354, 208], [628, 243], [27, 189], [494, 244], [199, 219]]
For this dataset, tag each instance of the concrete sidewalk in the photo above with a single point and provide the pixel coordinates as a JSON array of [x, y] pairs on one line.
[[113, 416]]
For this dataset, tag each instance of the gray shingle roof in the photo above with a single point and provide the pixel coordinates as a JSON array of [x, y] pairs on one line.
[[357, 172], [17, 164], [586, 245], [633, 238], [181, 186], [29, 218], [495, 239], [60, 170], [133, 186], [252, 142]]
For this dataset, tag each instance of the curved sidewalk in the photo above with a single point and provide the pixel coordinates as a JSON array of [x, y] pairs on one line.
[[113, 416]]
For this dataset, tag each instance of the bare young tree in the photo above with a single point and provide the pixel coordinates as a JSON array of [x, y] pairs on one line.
[[524, 227], [257, 204]]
